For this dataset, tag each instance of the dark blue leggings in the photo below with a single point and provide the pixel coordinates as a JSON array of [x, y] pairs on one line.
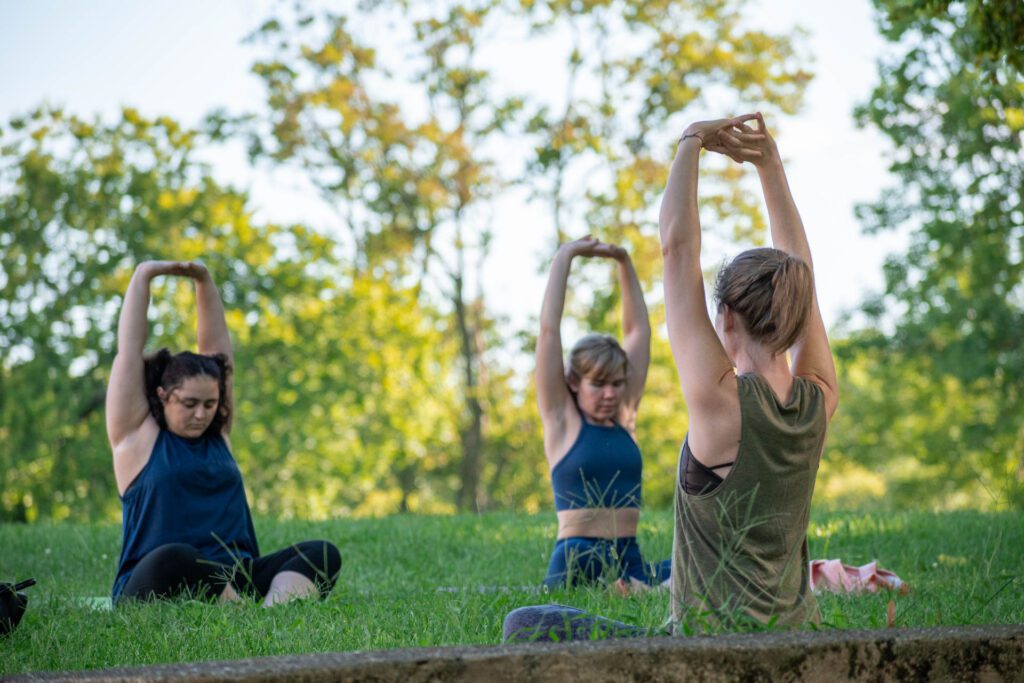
[[583, 559], [178, 569]]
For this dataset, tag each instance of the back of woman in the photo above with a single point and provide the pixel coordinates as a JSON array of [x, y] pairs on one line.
[[760, 388], [741, 548]]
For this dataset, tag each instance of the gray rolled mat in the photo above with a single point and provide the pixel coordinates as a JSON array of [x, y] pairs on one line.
[[558, 623]]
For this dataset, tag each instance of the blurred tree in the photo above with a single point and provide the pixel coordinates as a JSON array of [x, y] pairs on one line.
[[337, 375], [405, 128], [408, 163], [908, 436], [951, 100], [78, 203], [637, 74], [992, 30]]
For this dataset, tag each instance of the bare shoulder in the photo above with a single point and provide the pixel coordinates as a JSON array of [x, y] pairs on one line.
[[560, 433], [132, 454], [627, 418], [716, 422], [714, 399]]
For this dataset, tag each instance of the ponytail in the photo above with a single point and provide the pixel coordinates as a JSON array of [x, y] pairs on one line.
[[792, 298], [772, 292], [154, 367]]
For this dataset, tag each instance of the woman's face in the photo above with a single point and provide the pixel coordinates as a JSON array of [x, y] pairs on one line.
[[190, 408], [601, 398]]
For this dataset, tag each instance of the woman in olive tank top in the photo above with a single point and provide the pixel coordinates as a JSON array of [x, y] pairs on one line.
[[760, 387]]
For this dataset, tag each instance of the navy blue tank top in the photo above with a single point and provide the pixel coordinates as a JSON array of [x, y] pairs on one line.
[[190, 492], [603, 469]]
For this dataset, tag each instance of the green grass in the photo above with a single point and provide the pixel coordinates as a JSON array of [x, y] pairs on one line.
[[965, 568]]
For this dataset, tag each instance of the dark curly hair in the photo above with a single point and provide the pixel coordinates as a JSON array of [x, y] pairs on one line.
[[169, 370]]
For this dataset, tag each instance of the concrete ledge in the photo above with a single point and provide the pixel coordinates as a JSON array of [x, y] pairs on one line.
[[988, 653]]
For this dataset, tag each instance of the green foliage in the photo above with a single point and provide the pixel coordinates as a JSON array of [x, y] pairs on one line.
[[994, 29], [909, 436], [405, 148], [81, 203], [637, 70], [370, 372], [413, 175], [341, 392], [951, 369]]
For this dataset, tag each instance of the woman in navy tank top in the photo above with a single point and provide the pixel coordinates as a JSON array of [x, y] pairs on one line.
[[589, 414], [187, 528]]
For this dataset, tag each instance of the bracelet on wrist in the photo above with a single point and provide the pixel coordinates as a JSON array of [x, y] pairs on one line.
[[692, 135]]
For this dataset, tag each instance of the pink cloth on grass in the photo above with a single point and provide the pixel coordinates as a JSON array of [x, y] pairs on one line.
[[835, 577]]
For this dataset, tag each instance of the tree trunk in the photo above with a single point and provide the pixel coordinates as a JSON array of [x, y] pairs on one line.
[[471, 433]]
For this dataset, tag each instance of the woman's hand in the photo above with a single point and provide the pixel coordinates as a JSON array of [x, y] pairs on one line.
[[190, 269], [709, 132], [591, 246], [742, 143]]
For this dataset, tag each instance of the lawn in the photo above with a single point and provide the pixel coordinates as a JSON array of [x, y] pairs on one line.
[[965, 568]]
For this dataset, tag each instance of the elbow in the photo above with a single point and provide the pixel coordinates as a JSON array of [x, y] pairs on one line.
[[549, 329], [677, 236], [638, 329], [674, 248]]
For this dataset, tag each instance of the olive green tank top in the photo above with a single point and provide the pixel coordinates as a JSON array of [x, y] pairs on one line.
[[740, 551]]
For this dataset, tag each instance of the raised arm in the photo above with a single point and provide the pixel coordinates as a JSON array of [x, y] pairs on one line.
[[212, 330], [636, 331], [704, 368], [127, 407], [552, 394], [811, 357], [553, 397]]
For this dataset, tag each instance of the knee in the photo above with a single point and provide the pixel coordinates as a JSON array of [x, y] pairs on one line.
[[172, 556], [331, 558], [324, 556], [540, 623]]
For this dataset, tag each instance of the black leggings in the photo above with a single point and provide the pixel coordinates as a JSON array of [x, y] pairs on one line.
[[178, 569]]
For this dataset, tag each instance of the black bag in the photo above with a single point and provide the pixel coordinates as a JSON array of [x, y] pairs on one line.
[[12, 604]]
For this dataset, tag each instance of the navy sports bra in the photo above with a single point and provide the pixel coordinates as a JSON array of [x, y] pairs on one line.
[[602, 470]]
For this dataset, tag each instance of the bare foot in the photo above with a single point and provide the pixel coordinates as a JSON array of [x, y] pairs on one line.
[[229, 594], [631, 587], [287, 586]]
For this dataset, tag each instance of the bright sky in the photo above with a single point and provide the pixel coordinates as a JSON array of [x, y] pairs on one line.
[[184, 58]]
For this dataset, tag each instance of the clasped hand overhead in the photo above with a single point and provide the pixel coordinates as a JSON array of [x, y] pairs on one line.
[[734, 138]]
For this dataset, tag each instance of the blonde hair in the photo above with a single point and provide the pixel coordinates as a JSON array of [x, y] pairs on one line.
[[772, 292], [596, 355]]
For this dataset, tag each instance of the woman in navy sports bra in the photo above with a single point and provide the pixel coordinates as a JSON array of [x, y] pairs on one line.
[[187, 529], [589, 414]]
